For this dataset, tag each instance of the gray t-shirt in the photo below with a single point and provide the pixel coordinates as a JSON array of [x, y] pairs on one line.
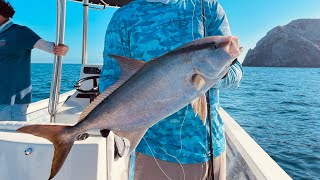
[[16, 44]]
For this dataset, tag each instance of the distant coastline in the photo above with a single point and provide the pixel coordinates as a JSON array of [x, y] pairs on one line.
[[296, 44]]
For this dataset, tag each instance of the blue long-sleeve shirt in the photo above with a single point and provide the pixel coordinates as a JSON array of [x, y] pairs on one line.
[[144, 30]]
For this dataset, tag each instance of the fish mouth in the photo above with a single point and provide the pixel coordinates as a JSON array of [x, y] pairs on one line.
[[230, 44]]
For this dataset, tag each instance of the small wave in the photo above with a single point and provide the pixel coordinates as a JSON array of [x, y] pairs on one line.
[[288, 111], [233, 109], [275, 90], [279, 84], [299, 95], [295, 103], [251, 93]]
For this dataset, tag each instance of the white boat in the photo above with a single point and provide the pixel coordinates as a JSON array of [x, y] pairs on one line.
[[26, 157]]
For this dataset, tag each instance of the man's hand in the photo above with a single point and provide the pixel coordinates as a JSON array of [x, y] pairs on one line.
[[60, 50], [230, 65]]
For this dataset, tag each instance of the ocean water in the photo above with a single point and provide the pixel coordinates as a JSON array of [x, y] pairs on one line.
[[278, 107], [42, 75]]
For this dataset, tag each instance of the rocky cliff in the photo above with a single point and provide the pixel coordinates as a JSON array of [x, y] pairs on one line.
[[296, 44]]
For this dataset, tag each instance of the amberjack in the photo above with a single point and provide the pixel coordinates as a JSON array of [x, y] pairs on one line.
[[147, 92]]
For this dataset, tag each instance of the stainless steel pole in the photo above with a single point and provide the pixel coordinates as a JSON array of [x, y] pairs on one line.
[[85, 32], [57, 66]]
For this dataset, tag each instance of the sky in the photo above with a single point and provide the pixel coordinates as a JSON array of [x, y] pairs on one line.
[[250, 20]]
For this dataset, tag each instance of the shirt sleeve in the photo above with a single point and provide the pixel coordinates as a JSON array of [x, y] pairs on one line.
[[233, 79], [218, 25], [28, 38], [44, 45], [114, 44]]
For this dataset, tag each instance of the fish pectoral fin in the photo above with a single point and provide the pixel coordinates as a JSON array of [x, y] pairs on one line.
[[199, 106], [134, 137], [198, 81]]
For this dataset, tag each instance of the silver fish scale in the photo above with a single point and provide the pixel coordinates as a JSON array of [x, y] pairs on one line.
[[158, 90]]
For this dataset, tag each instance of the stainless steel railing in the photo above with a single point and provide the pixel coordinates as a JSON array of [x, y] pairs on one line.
[[57, 66]]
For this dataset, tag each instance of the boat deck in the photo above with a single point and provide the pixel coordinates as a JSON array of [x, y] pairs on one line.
[[245, 158]]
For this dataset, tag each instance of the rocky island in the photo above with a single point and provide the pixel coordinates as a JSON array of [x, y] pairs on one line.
[[296, 44]]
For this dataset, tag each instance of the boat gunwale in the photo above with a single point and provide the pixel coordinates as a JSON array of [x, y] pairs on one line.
[[261, 164]]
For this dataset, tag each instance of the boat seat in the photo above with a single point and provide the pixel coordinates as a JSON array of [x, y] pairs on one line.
[[121, 145], [28, 157]]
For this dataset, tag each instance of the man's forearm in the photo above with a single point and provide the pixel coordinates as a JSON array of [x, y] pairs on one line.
[[44, 45]]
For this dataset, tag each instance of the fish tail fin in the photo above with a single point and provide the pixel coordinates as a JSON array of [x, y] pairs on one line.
[[61, 139]]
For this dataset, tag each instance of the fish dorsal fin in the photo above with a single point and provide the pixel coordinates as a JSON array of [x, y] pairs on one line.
[[128, 68], [199, 106]]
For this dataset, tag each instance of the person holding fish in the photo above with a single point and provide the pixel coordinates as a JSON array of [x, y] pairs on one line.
[[157, 67], [16, 43], [178, 146]]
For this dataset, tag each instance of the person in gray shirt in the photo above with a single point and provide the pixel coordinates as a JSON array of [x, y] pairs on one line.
[[16, 43]]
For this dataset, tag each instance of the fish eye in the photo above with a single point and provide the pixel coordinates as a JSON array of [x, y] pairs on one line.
[[214, 45]]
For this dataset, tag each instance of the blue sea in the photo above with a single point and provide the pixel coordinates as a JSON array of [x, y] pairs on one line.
[[41, 79], [278, 107]]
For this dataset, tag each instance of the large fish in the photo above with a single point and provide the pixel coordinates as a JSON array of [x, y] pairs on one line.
[[146, 93]]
